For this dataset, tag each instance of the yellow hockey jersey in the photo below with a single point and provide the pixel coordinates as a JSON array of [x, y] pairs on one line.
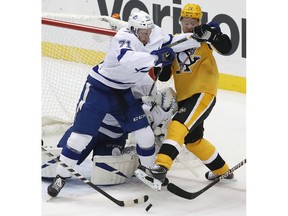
[[195, 71]]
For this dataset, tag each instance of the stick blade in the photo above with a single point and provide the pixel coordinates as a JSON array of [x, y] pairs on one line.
[[180, 192]]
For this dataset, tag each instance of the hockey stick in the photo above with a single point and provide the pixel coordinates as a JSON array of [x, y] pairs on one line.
[[169, 45], [192, 195], [86, 181], [48, 163]]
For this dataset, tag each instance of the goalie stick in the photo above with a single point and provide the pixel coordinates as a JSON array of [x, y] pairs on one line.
[[86, 181], [192, 195]]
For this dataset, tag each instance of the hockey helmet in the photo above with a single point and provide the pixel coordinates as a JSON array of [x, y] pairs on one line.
[[191, 11], [139, 20]]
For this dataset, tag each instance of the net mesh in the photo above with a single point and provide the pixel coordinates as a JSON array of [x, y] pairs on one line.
[[67, 57]]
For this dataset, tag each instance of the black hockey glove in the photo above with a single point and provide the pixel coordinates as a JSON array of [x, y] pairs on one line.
[[165, 56], [205, 33]]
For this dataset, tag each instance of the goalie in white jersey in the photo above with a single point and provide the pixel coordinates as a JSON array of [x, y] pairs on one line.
[[133, 52]]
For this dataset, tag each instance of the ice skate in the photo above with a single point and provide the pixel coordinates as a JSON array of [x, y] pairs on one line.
[[159, 172], [55, 187], [211, 176], [154, 178]]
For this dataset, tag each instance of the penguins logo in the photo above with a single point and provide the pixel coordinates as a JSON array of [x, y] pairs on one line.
[[186, 59]]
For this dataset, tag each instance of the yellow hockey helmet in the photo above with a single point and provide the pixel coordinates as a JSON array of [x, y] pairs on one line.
[[192, 11]]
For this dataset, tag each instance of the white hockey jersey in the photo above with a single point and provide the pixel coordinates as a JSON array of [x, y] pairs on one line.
[[128, 60], [139, 89]]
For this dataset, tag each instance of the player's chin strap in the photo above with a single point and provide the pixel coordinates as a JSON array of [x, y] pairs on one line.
[[86, 181]]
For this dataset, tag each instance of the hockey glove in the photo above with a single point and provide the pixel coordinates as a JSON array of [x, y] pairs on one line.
[[156, 115], [165, 98], [164, 55], [215, 26], [205, 33]]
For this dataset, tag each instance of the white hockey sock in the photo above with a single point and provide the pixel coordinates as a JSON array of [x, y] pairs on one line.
[[147, 156]]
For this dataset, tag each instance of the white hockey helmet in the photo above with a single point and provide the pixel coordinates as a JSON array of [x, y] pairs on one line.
[[139, 20]]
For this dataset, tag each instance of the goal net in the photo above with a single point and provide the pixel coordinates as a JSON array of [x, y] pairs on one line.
[[71, 46]]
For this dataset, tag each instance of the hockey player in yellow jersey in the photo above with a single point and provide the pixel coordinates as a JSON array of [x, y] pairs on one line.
[[196, 77]]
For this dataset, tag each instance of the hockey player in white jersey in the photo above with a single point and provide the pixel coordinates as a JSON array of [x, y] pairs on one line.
[[113, 149], [133, 52]]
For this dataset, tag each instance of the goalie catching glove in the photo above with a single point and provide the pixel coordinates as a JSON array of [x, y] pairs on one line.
[[156, 115], [160, 107]]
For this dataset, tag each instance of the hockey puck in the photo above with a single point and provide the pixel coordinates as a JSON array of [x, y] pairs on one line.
[[148, 207]]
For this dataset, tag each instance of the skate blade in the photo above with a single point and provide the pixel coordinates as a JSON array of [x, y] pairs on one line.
[[153, 183], [47, 197]]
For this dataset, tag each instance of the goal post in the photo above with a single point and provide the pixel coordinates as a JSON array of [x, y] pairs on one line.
[[79, 27]]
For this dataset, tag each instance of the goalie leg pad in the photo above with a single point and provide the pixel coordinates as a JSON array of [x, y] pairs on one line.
[[48, 168], [112, 170]]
